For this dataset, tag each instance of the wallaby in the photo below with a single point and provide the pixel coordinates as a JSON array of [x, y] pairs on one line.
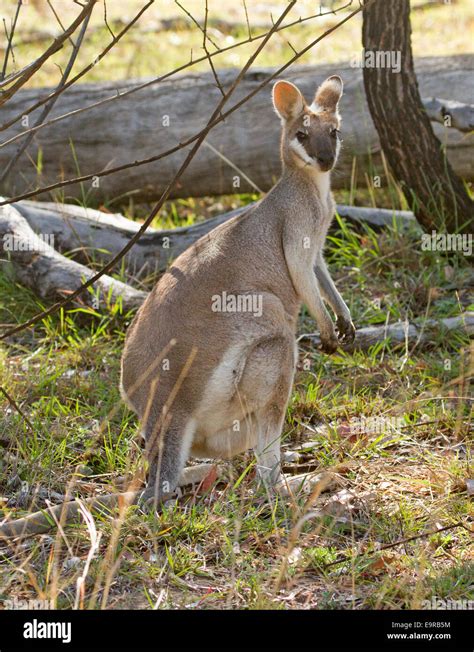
[[209, 359]]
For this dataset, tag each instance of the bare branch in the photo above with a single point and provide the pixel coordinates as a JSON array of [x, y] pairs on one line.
[[400, 542], [30, 70], [84, 71], [51, 103], [10, 41]]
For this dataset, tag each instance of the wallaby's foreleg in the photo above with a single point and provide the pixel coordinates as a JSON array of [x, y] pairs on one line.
[[300, 261], [344, 326]]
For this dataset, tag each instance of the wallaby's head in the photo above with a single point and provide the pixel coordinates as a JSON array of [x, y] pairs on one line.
[[310, 132]]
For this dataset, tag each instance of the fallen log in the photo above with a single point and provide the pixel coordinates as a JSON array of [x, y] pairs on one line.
[[87, 233], [451, 113], [38, 266], [160, 116], [403, 333]]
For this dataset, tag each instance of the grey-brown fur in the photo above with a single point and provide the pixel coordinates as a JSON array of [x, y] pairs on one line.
[[225, 378]]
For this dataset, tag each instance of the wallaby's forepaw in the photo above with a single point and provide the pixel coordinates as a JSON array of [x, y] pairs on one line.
[[345, 330], [329, 344]]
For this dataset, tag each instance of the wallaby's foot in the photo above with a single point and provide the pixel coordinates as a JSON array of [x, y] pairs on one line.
[[345, 330], [148, 500]]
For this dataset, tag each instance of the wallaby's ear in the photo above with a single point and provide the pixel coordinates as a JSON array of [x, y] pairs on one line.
[[328, 94], [287, 100]]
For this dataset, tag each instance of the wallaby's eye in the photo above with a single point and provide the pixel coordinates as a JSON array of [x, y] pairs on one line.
[[301, 135], [335, 133]]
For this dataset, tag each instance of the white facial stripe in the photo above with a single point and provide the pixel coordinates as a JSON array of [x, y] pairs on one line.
[[298, 148]]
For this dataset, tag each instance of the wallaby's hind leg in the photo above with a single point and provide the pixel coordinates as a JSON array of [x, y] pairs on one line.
[[167, 449], [273, 364], [267, 449]]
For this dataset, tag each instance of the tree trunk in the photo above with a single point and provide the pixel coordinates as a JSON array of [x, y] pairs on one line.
[[416, 156], [132, 128]]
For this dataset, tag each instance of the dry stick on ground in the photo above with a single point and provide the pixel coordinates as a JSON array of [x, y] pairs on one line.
[[119, 95], [41, 268], [47, 109], [215, 119], [16, 407], [401, 542], [404, 333], [85, 70], [47, 519], [30, 70]]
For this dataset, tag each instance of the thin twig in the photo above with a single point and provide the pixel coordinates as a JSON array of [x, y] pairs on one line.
[[196, 22], [58, 19], [345, 558], [247, 19], [105, 20], [57, 44], [51, 103], [16, 407], [89, 67], [10, 41], [204, 45]]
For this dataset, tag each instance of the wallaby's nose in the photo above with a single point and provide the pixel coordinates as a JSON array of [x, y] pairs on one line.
[[325, 162]]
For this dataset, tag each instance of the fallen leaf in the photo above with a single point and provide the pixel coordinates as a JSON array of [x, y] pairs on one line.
[[209, 480]]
